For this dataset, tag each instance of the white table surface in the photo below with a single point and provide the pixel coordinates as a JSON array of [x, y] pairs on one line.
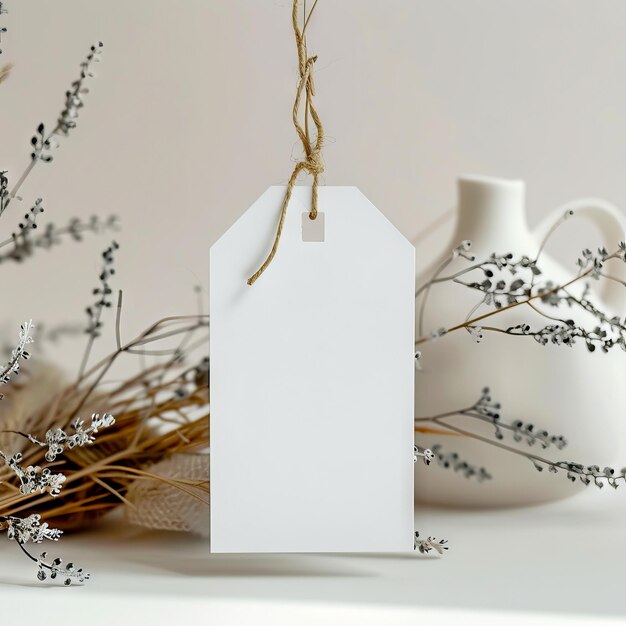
[[565, 560]]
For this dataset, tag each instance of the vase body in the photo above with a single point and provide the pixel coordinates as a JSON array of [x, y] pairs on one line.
[[567, 391]]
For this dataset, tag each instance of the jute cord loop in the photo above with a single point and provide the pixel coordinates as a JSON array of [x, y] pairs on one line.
[[312, 162]]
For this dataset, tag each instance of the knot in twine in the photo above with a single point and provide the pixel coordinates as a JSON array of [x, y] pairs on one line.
[[312, 162]]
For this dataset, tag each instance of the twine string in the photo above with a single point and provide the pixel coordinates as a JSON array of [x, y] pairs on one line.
[[312, 162]]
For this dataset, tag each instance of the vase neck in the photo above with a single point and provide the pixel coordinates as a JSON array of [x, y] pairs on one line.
[[492, 215]]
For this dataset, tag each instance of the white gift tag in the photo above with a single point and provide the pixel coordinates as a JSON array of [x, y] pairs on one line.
[[312, 379]]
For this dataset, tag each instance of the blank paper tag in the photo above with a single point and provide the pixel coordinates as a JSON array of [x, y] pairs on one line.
[[312, 380]]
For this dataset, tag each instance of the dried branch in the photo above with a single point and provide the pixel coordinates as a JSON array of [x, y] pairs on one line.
[[506, 283]]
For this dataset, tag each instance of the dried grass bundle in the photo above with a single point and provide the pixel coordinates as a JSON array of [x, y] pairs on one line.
[[161, 411]]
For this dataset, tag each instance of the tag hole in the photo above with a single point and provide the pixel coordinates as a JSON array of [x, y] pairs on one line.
[[313, 230]]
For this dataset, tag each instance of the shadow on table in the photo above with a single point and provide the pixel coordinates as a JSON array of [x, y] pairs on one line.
[[250, 566], [179, 553]]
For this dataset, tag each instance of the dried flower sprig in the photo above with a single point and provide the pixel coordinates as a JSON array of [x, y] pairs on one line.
[[69, 573], [18, 354], [562, 334], [424, 546], [20, 238], [447, 460], [57, 439], [31, 530], [74, 96], [485, 409], [42, 141], [103, 301], [586, 474], [33, 479]]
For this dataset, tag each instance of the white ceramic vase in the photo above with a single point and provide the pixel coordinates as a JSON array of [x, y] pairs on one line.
[[567, 391]]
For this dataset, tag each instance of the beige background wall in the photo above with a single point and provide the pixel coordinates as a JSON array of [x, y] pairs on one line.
[[189, 121]]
